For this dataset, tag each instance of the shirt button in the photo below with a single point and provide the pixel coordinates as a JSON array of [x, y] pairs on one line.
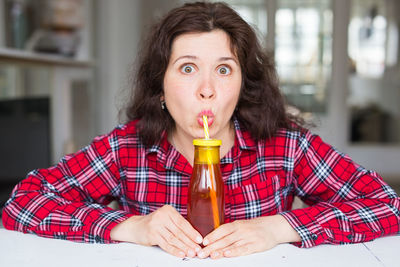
[[98, 239], [350, 236], [314, 236]]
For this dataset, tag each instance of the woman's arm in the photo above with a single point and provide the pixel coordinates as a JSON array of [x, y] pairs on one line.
[[68, 201], [348, 203]]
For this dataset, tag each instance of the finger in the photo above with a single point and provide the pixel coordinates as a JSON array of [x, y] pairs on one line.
[[220, 244], [171, 249], [219, 233], [216, 254], [186, 227], [173, 240], [239, 249], [191, 248]]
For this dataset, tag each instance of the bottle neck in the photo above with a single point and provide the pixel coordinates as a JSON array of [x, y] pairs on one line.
[[206, 155]]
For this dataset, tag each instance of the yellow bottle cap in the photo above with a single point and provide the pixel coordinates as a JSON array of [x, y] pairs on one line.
[[207, 142]]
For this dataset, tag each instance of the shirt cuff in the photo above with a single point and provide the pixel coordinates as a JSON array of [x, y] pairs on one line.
[[99, 229], [305, 224]]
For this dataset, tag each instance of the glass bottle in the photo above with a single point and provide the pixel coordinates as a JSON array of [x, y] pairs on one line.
[[206, 201]]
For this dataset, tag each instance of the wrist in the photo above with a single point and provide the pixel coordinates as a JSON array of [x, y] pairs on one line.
[[284, 232], [125, 231]]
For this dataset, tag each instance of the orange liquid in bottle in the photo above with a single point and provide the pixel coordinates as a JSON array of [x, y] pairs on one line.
[[206, 205]]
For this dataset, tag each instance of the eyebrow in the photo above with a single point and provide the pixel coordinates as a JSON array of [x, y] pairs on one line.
[[194, 57], [183, 57]]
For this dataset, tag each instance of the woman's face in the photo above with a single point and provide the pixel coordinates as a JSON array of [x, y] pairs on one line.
[[203, 77]]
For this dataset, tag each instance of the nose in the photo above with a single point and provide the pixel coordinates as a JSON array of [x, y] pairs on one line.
[[206, 89], [206, 93]]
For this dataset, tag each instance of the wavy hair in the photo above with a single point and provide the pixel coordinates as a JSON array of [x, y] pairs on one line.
[[260, 108]]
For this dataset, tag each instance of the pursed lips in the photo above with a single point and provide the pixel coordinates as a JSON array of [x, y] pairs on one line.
[[210, 117]]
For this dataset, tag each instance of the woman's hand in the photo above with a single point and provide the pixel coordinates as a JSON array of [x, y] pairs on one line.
[[164, 227], [244, 237]]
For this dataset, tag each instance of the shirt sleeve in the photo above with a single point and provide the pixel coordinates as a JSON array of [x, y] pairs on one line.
[[347, 203], [68, 201]]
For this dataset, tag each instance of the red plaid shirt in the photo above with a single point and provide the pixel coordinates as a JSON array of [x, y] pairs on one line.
[[69, 201]]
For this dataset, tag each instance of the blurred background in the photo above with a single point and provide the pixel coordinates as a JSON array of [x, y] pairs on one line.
[[65, 68]]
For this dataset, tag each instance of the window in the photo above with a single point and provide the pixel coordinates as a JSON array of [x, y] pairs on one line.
[[374, 81], [303, 46], [367, 37], [303, 49]]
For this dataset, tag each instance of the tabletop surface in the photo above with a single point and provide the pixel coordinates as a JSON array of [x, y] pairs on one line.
[[18, 249]]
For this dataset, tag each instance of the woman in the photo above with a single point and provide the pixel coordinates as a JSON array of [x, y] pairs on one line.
[[203, 59]]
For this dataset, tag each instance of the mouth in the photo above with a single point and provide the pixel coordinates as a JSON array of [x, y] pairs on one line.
[[210, 117]]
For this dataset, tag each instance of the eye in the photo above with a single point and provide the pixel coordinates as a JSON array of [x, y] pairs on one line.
[[224, 70], [187, 69]]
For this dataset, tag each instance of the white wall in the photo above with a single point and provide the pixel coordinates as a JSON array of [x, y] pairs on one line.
[[118, 29]]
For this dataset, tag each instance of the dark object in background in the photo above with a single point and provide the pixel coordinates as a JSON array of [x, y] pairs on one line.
[[369, 124], [24, 137]]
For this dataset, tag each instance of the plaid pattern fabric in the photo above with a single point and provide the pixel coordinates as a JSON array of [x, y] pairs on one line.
[[69, 201]]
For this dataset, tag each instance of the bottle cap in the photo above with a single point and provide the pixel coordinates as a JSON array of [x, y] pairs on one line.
[[207, 142]]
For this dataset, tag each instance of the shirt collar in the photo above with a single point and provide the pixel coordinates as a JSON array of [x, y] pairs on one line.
[[243, 137], [243, 141], [168, 156]]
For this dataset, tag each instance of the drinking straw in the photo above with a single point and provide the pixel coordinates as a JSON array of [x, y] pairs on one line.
[[205, 126], [213, 194]]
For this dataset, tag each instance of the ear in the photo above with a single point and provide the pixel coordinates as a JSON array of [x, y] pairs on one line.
[[162, 98]]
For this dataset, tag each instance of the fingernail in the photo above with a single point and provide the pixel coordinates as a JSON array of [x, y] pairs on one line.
[[215, 254], [197, 249], [181, 254], [201, 254], [191, 253], [227, 253], [199, 239], [205, 242]]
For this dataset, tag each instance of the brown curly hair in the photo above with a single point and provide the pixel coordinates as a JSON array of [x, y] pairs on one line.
[[261, 107]]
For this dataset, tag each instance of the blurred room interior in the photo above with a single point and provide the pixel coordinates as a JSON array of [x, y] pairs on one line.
[[65, 70]]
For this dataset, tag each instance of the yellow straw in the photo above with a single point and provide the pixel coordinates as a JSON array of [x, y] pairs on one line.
[[213, 194], [205, 126]]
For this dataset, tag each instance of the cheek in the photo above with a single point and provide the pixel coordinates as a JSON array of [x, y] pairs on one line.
[[178, 93], [173, 85], [168, 83], [178, 100], [233, 93]]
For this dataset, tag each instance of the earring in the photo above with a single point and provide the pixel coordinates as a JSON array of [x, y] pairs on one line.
[[162, 104]]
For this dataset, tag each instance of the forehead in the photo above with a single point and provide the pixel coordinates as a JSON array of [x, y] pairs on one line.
[[216, 41]]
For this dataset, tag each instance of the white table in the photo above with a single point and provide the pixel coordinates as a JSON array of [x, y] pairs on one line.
[[17, 249]]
